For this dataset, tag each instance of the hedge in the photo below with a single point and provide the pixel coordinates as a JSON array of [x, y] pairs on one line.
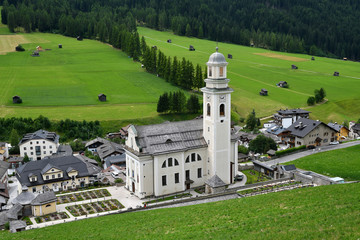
[[289, 150]]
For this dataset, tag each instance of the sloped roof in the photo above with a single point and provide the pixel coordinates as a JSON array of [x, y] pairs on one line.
[[115, 159], [17, 224], [47, 168], [108, 149], [87, 159], [336, 126], [4, 166], [292, 111], [64, 150], [356, 127], [170, 137], [304, 126], [62, 163], [40, 134], [43, 198], [98, 139], [14, 211], [215, 182], [290, 167], [24, 198]]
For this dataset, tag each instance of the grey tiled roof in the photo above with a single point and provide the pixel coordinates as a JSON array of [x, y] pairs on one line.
[[62, 163], [356, 127], [306, 126], [215, 181], [292, 111], [17, 224], [4, 166], [98, 139], [335, 126], [24, 198], [47, 168], [290, 167], [64, 150], [40, 134], [14, 211], [87, 159], [170, 137], [43, 198], [117, 159], [108, 149]]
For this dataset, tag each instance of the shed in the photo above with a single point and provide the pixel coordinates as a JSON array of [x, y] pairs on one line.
[[263, 92], [60, 45], [242, 157], [271, 152], [17, 226], [102, 97], [17, 99], [215, 185], [282, 84], [336, 74], [39, 48], [313, 58], [169, 41], [264, 168], [79, 38], [345, 59], [35, 54], [294, 67], [191, 48], [229, 56]]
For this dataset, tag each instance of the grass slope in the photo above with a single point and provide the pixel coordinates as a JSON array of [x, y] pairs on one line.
[[64, 83], [343, 163], [249, 72], [327, 212]]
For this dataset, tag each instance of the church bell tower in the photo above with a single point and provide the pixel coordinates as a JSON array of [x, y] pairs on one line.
[[217, 117]]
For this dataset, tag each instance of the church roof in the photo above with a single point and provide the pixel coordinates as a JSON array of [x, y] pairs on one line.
[[217, 59], [170, 137], [43, 198], [215, 181]]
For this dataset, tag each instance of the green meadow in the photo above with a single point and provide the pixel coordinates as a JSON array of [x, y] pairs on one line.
[[326, 212], [65, 83], [343, 163], [249, 72]]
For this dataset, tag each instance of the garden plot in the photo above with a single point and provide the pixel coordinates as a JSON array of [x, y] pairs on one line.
[[94, 207], [51, 217], [81, 196]]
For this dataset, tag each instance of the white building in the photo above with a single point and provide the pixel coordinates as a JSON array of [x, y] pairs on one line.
[[39, 144], [172, 157], [285, 118], [4, 151]]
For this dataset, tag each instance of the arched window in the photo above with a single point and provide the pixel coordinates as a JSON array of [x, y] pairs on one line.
[[170, 162], [208, 109], [221, 72], [198, 157], [193, 157], [210, 72], [48, 205], [164, 164], [176, 163], [222, 110], [187, 159]]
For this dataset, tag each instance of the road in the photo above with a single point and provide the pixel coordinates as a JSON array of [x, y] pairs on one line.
[[295, 156]]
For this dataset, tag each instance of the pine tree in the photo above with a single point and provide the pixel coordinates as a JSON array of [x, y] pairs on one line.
[[143, 45], [174, 70], [188, 31], [11, 22], [167, 70], [137, 47], [193, 104]]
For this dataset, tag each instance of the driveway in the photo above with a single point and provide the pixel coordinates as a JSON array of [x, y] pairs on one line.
[[295, 156]]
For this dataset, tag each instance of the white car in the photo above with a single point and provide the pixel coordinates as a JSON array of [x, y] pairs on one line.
[[115, 175], [334, 143]]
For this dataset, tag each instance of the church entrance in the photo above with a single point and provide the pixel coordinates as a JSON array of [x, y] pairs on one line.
[[133, 186], [187, 186]]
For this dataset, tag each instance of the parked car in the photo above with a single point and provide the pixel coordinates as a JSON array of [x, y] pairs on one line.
[[310, 147], [115, 175], [239, 177], [334, 143]]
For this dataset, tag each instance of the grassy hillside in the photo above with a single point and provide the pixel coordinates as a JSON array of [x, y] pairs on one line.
[[60, 82], [343, 163], [252, 69], [327, 212]]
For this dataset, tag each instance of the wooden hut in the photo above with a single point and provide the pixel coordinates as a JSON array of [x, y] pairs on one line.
[[79, 38], [17, 99], [35, 54], [169, 41], [102, 97], [294, 67], [263, 92], [345, 59], [336, 74], [229, 56], [282, 84], [313, 58], [191, 48], [60, 45], [154, 47]]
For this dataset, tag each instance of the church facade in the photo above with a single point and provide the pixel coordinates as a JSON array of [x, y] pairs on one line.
[[172, 157]]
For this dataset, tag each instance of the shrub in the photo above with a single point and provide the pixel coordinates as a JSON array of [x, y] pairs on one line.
[[7, 226], [19, 48], [311, 101], [290, 150], [119, 180]]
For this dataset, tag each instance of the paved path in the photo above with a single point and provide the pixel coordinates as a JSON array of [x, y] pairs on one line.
[[310, 152]]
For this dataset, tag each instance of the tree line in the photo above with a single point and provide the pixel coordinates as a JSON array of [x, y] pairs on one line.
[[14, 128], [175, 102]]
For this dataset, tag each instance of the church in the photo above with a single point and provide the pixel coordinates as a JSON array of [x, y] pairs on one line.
[[172, 157]]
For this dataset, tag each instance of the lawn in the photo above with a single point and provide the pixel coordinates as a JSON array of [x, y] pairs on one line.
[[343, 163], [254, 176], [326, 212], [253, 68], [64, 83]]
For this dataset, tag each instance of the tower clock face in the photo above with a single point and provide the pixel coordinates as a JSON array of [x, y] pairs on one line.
[[222, 98]]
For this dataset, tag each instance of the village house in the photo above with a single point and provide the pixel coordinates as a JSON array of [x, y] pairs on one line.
[[309, 132], [57, 174], [354, 130], [171, 157], [342, 131], [4, 151], [109, 149], [95, 143], [39, 144], [285, 118], [4, 190]]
